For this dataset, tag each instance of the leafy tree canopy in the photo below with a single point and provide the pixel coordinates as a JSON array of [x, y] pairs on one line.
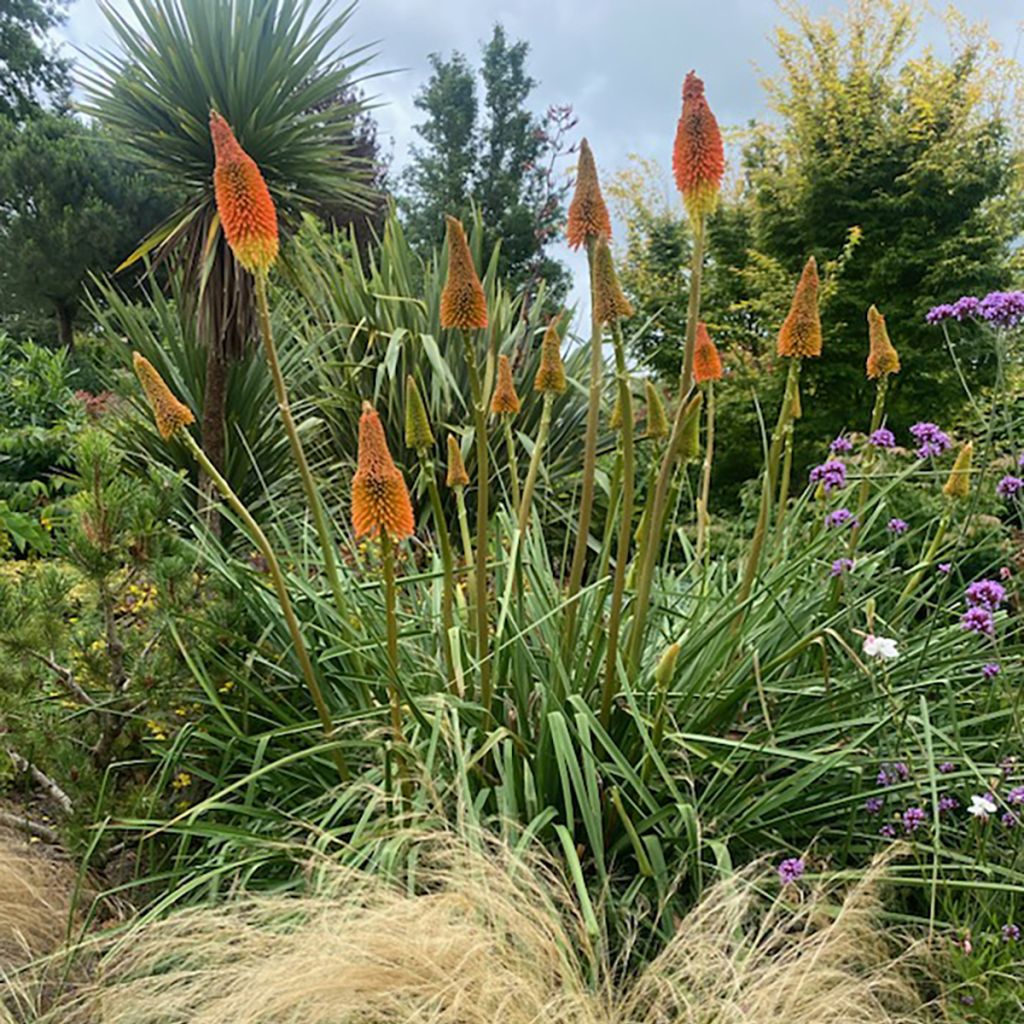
[[31, 69], [492, 151]]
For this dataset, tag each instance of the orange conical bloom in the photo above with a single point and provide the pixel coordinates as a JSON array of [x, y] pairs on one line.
[[609, 302], [246, 210], [883, 358], [504, 400], [380, 499], [170, 414], [463, 304], [588, 215], [698, 159], [457, 475], [800, 334], [707, 363], [551, 371]]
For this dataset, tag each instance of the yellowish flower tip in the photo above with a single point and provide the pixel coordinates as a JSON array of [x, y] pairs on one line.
[[609, 302], [883, 358], [666, 667], [551, 371], [463, 303], [418, 434], [958, 486], [588, 214], [800, 335], [170, 414], [457, 475], [657, 417], [689, 438], [504, 401]]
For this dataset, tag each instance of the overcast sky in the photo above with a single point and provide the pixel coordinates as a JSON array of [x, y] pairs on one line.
[[620, 63]]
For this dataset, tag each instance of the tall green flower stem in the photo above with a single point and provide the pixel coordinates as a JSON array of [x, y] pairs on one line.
[[482, 476], [513, 463], [869, 460], [658, 501], [447, 562], [589, 454], [387, 555], [280, 588], [771, 473], [926, 560], [526, 502], [787, 463], [704, 516], [611, 675], [312, 492]]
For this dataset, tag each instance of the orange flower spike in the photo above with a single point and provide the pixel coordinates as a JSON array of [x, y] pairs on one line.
[[800, 334], [588, 214], [883, 359], [463, 304], [457, 475], [707, 363], [380, 499], [551, 371], [698, 157], [609, 302], [246, 209], [505, 401], [170, 414]]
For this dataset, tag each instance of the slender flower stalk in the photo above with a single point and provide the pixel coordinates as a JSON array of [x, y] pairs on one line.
[[611, 677], [458, 481], [589, 225], [172, 419], [420, 437], [464, 310], [505, 404]]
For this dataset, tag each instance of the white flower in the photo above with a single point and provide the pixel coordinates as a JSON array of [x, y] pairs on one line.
[[981, 806], [881, 647]]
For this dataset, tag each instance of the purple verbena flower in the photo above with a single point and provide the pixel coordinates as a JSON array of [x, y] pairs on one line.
[[978, 620], [1007, 764], [840, 517], [841, 445], [841, 566], [873, 804], [891, 774], [1009, 486], [948, 803], [947, 768], [991, 669], [887, 831], [791, 869], [931, 440], [882, 438], [945, 568], [1011, 933], [913, 819], [1009, 819], [985, 594], [897, 526], [1004, 309], [1016, 796], [830, 474]]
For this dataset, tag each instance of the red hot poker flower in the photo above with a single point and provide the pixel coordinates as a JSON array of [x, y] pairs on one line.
[[707, 363], [698, 158], [588, 214], [246, 210], [463, 303], [380, 499]]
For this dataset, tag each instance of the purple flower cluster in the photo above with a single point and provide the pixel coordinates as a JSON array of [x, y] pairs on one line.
[[891, 774], [930, 439], [1002, 309], [1016, 796], [945, 568], [887, 831], [978, 620], [874, 804], [986, 594], [841, 517], [991, 670], [1009, 486], [841, 446], [947, 768], [1011, 933], [897, 526], [831, 475], [790, 870], [948, 803], [882, 438], [913, 819], [840, 567]]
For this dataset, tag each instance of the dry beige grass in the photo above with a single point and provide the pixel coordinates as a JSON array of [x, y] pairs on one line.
[[486, 940]]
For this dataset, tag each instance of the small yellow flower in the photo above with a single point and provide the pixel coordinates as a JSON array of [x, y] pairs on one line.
[[181, 781], [226, 687]]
